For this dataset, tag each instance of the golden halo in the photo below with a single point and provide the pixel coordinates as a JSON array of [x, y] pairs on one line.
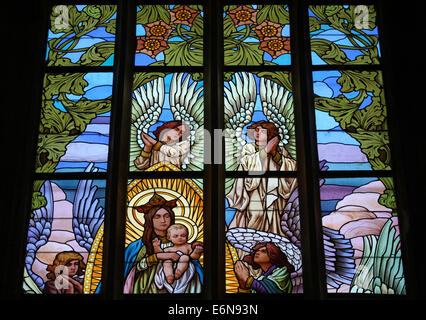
[[137, 219], [187, 193]]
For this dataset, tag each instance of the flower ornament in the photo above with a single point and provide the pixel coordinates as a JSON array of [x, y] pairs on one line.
[[268, 29], [158, 29], [183, 15], [243, 15], [275, 46], [150, 45]]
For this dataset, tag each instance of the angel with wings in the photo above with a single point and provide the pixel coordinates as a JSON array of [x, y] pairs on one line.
[[65, 271], [258, 201], [279, 257], [176, 141]]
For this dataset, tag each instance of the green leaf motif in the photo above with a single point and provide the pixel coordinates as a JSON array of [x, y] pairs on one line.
[[273, 13], [54, 84], [328, 51], [185, 53], [151, 13], [244, 54], [98, 53]]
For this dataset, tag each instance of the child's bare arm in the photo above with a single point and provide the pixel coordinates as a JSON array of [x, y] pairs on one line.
[[196, 252]]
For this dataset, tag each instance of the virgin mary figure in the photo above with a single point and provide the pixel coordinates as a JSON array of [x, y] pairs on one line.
[[141, 261]]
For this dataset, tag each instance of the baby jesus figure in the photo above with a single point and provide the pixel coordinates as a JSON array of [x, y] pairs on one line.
[[177, 234]]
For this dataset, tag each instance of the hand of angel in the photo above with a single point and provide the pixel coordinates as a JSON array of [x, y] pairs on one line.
[[272, 144], [242, 273], [148, 141]]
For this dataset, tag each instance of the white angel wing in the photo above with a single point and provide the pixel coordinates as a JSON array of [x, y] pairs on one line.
[[277, 104], [187, 105], [246, 238], [239, 104], [147, 103]]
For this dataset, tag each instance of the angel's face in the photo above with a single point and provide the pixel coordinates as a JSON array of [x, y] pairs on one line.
[[72, 267], [261, 256], [172, 135], [260, 136]]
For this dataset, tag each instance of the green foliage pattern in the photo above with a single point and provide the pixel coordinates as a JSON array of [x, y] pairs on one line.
[[76, 24]]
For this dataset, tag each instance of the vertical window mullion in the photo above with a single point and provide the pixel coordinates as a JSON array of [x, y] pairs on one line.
[[307, 157], [119, 152]]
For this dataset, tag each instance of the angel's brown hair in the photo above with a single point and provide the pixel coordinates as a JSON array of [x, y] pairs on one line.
[[171, 125], [61, 259], [276, 256], [269, 126]]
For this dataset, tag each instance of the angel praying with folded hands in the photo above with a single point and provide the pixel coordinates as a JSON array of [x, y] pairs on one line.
[[171, 145]]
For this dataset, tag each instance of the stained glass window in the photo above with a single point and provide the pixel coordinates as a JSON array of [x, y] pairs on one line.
[[167, 121], [75, 122], [64, 250], [129, 194], [164, 222], [344, 34], [65, 237], [81, 35], [252, 103], [351, 120], [261, 214], [164, 235], [359, 212], [170, 35], [256, 35]]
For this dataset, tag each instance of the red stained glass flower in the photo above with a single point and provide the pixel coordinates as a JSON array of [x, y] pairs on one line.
[[150, 45], [268, 29], [158, 29], [275, 46], [243, 15], [183, 15]]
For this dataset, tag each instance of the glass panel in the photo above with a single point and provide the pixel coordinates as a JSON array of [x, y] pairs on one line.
[[65, 237], [256, 35], [344, 34], [262, 213], [75, 122], [361, 236], [81, 35], [164, 235], [169, 35], [351, 120], [167, 122], [259, 122]]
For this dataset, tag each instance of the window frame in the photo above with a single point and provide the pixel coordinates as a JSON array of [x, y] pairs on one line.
[[313, 266]]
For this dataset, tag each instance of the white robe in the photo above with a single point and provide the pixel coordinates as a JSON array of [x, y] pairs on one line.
[[178, 285], [175, 154], [260, 201]]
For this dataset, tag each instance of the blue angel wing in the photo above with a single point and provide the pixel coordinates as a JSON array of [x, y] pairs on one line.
[[88, 216], [38, 234]]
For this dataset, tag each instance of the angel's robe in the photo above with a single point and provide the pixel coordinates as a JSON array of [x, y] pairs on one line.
[[274, 280], [173, 153], [140, 270], [260, 201]]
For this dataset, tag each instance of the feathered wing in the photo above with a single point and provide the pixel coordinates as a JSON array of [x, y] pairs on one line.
[[277, 104], [239, 102], [147, 103], [87, 215], [38, 234], [245, 239], [338, 251], [187, 105]]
